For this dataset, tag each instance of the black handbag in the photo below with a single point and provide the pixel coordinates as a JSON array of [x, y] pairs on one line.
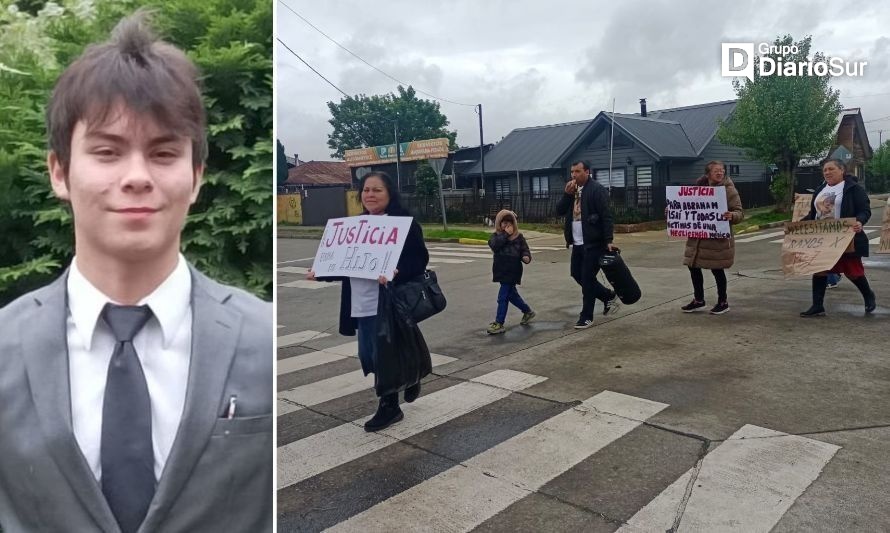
[[421, 297], [619, 276]]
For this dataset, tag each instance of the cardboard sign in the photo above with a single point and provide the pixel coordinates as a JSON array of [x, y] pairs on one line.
[[365, 246], [697, 212], [813, 246], [884, 244], [802, 203]]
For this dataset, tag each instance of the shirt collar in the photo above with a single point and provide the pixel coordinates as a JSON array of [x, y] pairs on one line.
[[169, 302]]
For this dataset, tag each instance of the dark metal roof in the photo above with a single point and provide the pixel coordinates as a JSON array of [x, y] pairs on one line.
[[681, 132], [698, 121], [662, 138], [533, 148]]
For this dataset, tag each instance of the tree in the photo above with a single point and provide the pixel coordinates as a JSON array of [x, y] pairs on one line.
[[228, 234], [427, 182], [280, 164], [782, 119], [879, 169], [362, 121]]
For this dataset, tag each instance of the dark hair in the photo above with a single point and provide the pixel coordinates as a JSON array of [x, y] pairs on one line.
[[712, 163], [840, 164], [395, 199], [133, 68], [584, 164]]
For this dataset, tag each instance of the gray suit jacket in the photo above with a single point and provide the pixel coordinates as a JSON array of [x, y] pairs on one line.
[[218, 476]]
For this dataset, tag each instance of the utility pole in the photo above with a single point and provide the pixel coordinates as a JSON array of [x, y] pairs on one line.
[[481, 149], [398, 158]]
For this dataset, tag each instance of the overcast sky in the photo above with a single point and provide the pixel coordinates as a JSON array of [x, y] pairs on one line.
[[531, 63]]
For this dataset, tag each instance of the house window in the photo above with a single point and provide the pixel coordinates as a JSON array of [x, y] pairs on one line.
[[540, 187], [644, 186], [502, 188], [732, 170], [602, 176]]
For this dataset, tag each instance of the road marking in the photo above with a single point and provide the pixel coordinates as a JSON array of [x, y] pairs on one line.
[[460, 254], [448, 261], [299, 338], [320, 357], [296, 260], [463, 497], [294, 270], [746, 484], [761, 236], [313, 455], [306, 284], [335, 387]]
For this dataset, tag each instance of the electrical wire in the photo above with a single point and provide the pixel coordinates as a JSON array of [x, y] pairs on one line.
[[353, 54]]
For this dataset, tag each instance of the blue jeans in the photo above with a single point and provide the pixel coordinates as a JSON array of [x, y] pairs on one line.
[[367, 342], [509, 295], [833, 278]]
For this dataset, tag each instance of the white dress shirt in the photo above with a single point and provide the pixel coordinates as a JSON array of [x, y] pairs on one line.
[[164, 349]]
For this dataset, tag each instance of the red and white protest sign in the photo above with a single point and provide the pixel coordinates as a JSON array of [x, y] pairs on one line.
[[697, 212], [365, 246]]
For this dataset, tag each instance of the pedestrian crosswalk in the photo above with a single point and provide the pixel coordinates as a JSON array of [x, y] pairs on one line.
[[777, 237], [439, 255], [747, 482]]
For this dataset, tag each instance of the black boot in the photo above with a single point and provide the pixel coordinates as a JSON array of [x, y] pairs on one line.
[[412, 392], [820, 283], [388, 413], [867, 294]]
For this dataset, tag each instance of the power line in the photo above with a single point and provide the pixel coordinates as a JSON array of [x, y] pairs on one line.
[[353, 54], [877, 119], [312, 69], [865, 95]]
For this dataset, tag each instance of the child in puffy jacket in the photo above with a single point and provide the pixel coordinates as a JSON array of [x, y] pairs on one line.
[[510, 252]]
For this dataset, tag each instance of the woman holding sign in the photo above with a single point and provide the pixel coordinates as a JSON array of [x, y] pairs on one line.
[[714, 254], [841, 196], [359, 297]]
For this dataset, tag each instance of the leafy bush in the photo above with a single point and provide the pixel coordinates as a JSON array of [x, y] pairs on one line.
[[779, 188], [228, 234]]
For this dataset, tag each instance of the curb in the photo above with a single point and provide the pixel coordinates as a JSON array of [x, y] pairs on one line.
[[477, 242], [769, 225]]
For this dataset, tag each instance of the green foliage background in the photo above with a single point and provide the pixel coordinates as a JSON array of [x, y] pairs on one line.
[[361, 121], [782, 119], [228, 234]]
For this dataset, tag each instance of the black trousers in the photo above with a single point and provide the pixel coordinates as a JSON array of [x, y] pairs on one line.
[[584, 268], [698, 283]]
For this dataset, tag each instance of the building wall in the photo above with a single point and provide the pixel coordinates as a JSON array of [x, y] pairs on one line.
[[749, 170], [290, 208]]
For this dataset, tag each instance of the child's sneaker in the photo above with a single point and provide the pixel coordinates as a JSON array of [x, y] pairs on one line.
[[494, 328], [527, 317]]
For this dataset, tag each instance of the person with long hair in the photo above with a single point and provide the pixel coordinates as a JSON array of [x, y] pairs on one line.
[[359, 296]]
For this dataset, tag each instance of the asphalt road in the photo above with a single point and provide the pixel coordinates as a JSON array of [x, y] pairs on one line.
[[756, 420]]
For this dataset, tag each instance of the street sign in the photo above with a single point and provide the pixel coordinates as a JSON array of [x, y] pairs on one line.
[[409, 151]]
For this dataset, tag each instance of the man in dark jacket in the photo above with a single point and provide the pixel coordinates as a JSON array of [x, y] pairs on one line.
[[588, 231]]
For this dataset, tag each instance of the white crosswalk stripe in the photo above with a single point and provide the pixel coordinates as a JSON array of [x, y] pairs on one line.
[[761, 236], [466, 495], [299, 338], [335, 387], [310, 456], [745, 484]]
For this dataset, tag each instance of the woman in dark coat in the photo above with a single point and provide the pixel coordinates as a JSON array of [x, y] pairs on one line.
[[842, 197], [359, 297]]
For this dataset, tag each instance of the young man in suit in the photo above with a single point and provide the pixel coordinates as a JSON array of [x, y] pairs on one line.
[[135, 393], [589, 232]]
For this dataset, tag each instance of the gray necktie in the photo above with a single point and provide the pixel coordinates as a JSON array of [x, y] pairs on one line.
[[128, 479]]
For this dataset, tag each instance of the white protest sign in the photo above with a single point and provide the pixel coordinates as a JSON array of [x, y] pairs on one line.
[[697, 211], [365, 246]]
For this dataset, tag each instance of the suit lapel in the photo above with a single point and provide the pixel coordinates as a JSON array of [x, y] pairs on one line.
[[46, 360], [215, 332]]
